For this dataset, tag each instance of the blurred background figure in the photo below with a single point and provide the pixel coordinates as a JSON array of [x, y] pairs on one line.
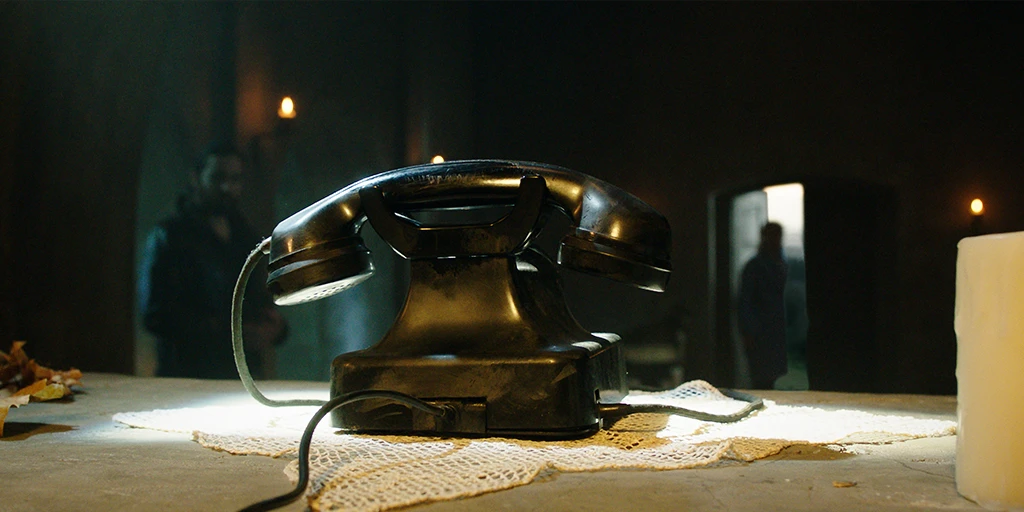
[[189, 268], [762, 310]]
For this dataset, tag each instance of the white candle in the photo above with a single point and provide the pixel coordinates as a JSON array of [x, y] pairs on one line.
[[989, 325]]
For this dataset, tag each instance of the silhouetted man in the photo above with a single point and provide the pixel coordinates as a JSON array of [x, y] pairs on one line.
[[762, 309], [191, 262]]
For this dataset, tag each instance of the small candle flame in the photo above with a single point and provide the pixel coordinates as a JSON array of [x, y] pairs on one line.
[[287, 110], [438, 159], [977, 207]]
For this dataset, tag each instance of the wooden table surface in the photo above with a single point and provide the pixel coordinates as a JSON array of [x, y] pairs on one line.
[[70, 456]]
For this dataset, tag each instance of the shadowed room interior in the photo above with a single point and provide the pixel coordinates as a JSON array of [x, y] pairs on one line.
[[855, 144], [893, 117]]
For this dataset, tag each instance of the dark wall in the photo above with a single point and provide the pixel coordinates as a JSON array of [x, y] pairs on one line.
[[73, 106], [675, 102], [679, 102]]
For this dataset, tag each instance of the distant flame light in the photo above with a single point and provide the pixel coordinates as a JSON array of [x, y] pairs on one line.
[[977, 207], [438, 159], [287, 110]]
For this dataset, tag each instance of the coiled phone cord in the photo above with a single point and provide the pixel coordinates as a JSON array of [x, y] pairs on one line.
[[236, 332]]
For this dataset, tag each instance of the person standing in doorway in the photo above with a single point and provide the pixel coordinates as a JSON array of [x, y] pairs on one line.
[[190, 264], [762, 309]]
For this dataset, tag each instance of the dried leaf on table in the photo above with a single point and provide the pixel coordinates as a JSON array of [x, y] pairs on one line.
[[17, 356], [18, 369], [54, 391], [32, 388], [23, 380], [69, 378], [8, 368], [42, 391], [6, 404]]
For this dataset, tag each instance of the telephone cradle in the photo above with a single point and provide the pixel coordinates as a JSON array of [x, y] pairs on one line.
[[485, 332]]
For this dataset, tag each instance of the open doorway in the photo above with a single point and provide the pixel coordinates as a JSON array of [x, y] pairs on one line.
[[841, 253], [786, 206], [748, 213]]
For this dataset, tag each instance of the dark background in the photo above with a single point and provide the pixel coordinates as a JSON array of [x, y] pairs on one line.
[[895, 115]]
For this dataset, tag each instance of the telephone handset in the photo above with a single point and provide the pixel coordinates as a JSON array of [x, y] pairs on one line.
[[318, 251], [484, 332]]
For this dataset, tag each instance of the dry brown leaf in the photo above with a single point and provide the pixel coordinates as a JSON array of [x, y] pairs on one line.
[[37, 382], [6, 404], [8, 368], [69, 378], [13, 401], [7, 371], [51, 392], [18, 369], [35, 387], [37, 371], [18, 355], [34, 380]]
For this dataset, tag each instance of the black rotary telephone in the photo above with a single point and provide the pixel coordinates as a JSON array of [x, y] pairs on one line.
[[484, 332], [485, 344]]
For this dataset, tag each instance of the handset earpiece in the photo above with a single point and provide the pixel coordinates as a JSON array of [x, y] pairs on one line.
[[599, 255], [616, 236], [317, 252], [319, 271]]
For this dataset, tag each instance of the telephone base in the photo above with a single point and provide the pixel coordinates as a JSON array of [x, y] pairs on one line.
[[552, 393]]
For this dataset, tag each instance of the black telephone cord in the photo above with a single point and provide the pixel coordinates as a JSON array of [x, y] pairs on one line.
[[237, 344], [307, 437], [605, 410], [238, 347]]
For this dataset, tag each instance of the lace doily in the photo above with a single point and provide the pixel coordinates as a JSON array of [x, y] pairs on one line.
[[375, 473]]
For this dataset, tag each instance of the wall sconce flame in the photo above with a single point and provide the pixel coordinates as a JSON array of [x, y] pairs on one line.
[[287, 110], [977, 207]]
